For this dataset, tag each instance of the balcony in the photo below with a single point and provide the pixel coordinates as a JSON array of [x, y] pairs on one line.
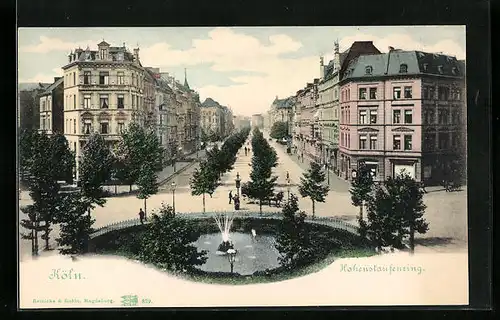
[[112, 80]]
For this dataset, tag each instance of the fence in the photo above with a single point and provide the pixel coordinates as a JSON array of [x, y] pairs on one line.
[[327, 221]]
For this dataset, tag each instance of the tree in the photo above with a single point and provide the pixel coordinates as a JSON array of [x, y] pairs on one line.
[[75, 224], [293, 241], [168, 242], [27, 140], [312, 185], [279, 130], [362, 185], [408, 207], [32, 224], [147, 183], [203, 181], [395, 212], [95, 169], [62, 157]]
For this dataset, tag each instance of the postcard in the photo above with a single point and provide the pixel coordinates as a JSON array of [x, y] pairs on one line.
[[242, 166]]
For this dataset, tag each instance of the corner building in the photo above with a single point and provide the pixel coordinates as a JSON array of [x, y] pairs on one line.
[[103, 92], [403, 110]]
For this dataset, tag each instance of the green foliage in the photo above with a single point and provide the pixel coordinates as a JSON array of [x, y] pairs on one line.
[[293, 241], [62, 157], [312, 185], [203, 181], [95, 169], [264, 158], [32, 224], [361, 188], [168, 242], [75, 225], [396, 211], [279, 130]]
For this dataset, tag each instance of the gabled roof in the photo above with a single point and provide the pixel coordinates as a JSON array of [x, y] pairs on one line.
[[52, 86], [284, 103], [210, 103]]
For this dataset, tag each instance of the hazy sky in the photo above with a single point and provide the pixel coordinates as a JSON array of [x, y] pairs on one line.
[[243, 68]]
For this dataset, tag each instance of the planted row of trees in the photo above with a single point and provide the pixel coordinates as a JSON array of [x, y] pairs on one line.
[[47, 160], [206, 178], [264, 159], [395, 208]]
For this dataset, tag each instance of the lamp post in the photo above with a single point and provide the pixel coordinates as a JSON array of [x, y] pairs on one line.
[[288, 188], [231, 255], [173, 196], [328, 169], [238, 183]]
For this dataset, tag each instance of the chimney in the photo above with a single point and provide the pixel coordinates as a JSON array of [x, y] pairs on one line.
[[321, 67], [336, 56]]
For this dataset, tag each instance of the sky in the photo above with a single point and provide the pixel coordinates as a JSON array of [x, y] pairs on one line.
[[244, 68]]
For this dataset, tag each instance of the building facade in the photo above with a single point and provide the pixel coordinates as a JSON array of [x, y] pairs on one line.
[[403, 110], [51, 107], [103, 92], [281, 110], [29, 107], [258, 121], [307, 132]]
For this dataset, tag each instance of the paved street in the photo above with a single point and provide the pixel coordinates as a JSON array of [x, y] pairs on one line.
[[446, 212]]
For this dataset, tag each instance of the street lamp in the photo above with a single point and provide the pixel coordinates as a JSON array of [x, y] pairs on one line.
[[231, 255], [173, 196], [328, 169], [288, 188], [238, 183]]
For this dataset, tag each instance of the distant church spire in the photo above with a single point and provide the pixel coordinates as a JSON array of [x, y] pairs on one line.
[[186, 84]]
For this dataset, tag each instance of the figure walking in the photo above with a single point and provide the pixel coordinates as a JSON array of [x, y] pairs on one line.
[[141, 215], [230, 196], [246, 151]]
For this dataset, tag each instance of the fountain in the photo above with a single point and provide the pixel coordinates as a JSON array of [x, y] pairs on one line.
[[224, 222]]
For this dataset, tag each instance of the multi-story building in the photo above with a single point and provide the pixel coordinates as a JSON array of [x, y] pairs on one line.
[[281, 111], [328, 98], [241, 122], [103, 92], [51, 107], [306, 129], [212, 118], [402, 110], [257, 121], [228, 124], [29, 107]]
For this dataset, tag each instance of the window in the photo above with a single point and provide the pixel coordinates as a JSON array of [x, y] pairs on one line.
[[104, 127], [362, 93], [408, 142], [104, 102], [397, 93], [74, 146], [425, 92], [103, 54], [454, 70], [432, 116], [74, 101], [74, 78], [408, 116], [403, 68], [396, 116], [459, 94], [443, 93], [432, 93], [133, 79], [362, 117], [408, 93], [86, 102], [455, 117], [430, 141], [43, 106], [87, 127], [74, 126], [86, 77], [120, 56], [121, 104], [103, 77], [396, 142], [443, 140], [426, 65], [440, 69], [373, 116], [121, 127], [362, 142], [373, 142], [442, 116], [121, 77], [373, 93], [368, 69], [133, 101]]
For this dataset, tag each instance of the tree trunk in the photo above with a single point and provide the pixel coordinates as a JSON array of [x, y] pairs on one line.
[[361, 211], [203, 203], [33, 242], [36, 240], [314, 208], [412, 239], [145, 211], [116, 189], [260, 206], [47, 227], [130, 188]]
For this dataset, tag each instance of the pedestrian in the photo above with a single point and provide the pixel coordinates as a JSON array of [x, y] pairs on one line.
[[246, 151], [422, 186], [141, 215], [230, 196]]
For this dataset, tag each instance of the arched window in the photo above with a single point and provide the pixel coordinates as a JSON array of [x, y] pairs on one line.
[[403, 68], [368, 70]]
